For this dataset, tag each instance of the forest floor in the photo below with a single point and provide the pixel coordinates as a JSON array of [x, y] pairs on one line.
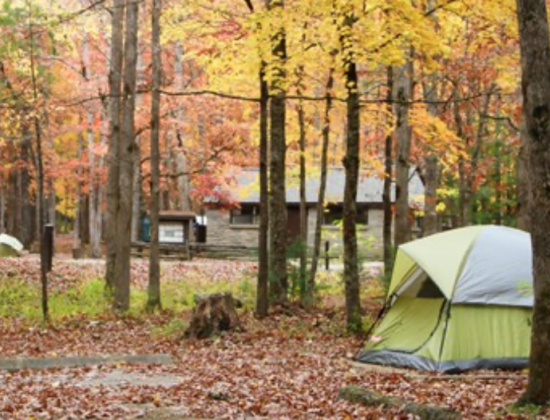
[[290, 365]]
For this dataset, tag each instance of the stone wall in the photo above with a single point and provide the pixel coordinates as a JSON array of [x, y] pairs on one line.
[[221, 232]]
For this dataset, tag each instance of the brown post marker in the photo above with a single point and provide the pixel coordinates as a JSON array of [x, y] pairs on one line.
[[48, 247], [327, 257]]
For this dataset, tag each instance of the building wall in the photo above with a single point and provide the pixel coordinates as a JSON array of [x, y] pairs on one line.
[[221, 232]]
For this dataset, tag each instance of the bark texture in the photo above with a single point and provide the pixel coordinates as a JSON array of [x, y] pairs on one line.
[[94, 200], [183, 182], [126, 159], [431, 162], [303, 200], [115, 107], [262, 299], [388, 179], [535, 83], [431, 166], [39, 165], [523, 182], [277, 199], [310, 287], [154, 299], [351, 165], [403, 86]]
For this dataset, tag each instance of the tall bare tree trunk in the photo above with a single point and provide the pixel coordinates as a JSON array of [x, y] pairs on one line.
[[136, 189], [468, 208], [310, 287], [403, 91], [303, 200], [262, 295], [431, 162], [523, 182], [277, 203], [535, 69], [127, 151], [462, 188], [77, 237], [351, 165], [25, 228], [137, 181], [262, 300], [39, 162], [154, 300], [183, 182], [113, 169], [431, 167], [93, 199], [388, 179]]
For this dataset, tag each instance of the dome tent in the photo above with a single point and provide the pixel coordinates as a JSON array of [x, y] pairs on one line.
[[458, 300], [9, 246]]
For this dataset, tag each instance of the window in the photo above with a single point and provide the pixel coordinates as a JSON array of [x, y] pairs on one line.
[[248, 214], [335, 213]]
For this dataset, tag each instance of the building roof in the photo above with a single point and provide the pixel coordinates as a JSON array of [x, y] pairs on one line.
[[176, 216], [370, 189]]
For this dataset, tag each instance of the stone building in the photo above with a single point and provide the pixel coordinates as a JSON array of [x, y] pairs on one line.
[[239, 226]]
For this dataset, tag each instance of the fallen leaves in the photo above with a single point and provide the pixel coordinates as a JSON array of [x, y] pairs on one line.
[[290, 365]]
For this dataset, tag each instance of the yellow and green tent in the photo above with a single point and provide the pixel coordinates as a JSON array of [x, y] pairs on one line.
[[458, 300]]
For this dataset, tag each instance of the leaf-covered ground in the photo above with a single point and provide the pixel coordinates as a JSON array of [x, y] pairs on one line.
[[288, 366]]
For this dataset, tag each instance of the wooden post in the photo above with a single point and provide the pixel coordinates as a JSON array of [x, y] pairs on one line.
[[327, 257], [48, 247]]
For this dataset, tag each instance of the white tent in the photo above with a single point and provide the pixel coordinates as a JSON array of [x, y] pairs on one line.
[[10, 246]]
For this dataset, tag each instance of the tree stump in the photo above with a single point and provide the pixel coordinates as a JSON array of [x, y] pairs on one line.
[[213, 314]]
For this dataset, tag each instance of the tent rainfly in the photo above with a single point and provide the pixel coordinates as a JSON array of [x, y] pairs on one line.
[[9, 246], [458, 300]]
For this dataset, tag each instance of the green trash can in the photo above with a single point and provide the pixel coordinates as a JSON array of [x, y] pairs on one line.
[[145, 229]]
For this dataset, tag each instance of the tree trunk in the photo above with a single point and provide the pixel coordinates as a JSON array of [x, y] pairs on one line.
[[535, 68], [40, 203], [26, 228], [262, 295], [431, 166], [310, 287], [277, 203], [136, 189], [77, 238], [262, 299], [154, 300], [386, 195], [403, 90], [126, 159], [183, 182], [470, 211], [137, 181], [431, 162], [303, 200], [523, 182], [113, 170], [93, 199], [462, 187], [351, 165]]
